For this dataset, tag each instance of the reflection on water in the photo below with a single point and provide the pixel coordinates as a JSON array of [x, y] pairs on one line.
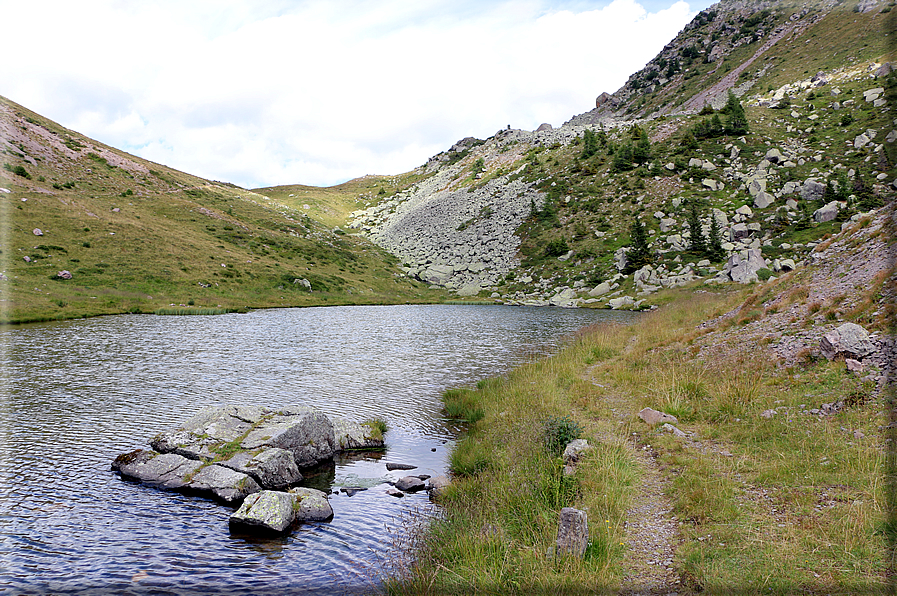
[[77, 393]]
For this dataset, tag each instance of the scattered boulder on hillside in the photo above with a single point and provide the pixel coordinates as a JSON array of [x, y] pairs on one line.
[[849, 341], [37, 232], [827, 212], [574, 450], [64, 274], [573, 532], [655, 417], [743, 268], [812, 190]]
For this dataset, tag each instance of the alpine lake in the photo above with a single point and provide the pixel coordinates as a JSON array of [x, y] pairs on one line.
[[78, 393]]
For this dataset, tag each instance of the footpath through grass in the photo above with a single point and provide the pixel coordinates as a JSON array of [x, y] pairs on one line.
[[795, 503]]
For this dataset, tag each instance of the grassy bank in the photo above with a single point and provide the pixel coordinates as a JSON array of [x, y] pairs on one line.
[[787, 504]]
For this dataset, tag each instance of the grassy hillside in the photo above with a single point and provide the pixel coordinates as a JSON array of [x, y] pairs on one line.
[[759, 487], [137, 237]]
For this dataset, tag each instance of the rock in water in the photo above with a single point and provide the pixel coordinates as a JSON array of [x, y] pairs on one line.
[[311, 504], [410, 484], [306, 432], [272, 468], [354, 435], [225, 484], [276, 511], [396, 466], [573, 532], [168, 470], [268, 511]]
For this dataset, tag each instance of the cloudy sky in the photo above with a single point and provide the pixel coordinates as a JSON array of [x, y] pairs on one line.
[[268, 92]]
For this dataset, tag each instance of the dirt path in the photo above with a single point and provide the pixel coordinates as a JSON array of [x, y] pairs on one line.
[[651, 530], [652, 533]]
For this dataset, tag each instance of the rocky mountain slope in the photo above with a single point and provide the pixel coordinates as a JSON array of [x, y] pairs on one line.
[[545, 217]]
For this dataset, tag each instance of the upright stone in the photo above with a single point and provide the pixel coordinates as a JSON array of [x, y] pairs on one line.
[[573, 532]]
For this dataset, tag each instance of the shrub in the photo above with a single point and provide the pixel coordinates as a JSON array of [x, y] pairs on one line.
[[17, 170], [556, 247], [558, 431]]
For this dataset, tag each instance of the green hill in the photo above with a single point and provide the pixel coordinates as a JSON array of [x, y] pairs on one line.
[[138, 237]]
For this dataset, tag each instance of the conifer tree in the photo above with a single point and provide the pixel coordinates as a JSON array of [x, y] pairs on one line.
[[640, 253], [590, 144], [715, 250], [623, 158], [736, 121], [697, 243], [641, 153]]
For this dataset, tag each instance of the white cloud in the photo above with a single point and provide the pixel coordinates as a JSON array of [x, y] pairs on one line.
[[265, 92]]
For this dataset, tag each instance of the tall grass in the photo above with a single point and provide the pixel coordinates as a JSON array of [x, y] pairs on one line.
[[788, 504], [195, 311]]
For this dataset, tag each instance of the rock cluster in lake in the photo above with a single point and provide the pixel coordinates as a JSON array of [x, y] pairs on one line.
[[233, 452]]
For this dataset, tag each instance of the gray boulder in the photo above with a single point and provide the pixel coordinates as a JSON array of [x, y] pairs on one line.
[[573, 532], [208, 430], [310, 504], [168, 470], [265, 511], [763, 200], [812, 190], [574, 450], [305, 432], [410, 484], [225, 484], [743, 268], [849, 340], [828, 212], [600, 289], [272, 468], [354, 435]]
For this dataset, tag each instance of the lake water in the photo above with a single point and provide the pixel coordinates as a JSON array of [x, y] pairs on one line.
[[78, 393]]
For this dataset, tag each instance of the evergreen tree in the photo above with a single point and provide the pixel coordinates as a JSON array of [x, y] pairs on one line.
[[697, 243], [590, 144], [640, 253], [641, 153], [736, 121], [623, 158], [715, 250]]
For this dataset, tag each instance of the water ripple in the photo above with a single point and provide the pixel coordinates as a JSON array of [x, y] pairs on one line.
[[77, 393]]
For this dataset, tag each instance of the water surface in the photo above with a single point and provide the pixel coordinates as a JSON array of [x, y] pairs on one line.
[[78, 393]]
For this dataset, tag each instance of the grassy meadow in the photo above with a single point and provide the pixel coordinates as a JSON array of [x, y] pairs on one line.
[[140, 237], [795, 503]]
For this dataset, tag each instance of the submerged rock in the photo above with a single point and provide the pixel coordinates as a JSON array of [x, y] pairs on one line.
[[410, 484]]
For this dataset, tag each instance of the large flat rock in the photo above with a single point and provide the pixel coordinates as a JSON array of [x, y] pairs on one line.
[[167, 470]]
